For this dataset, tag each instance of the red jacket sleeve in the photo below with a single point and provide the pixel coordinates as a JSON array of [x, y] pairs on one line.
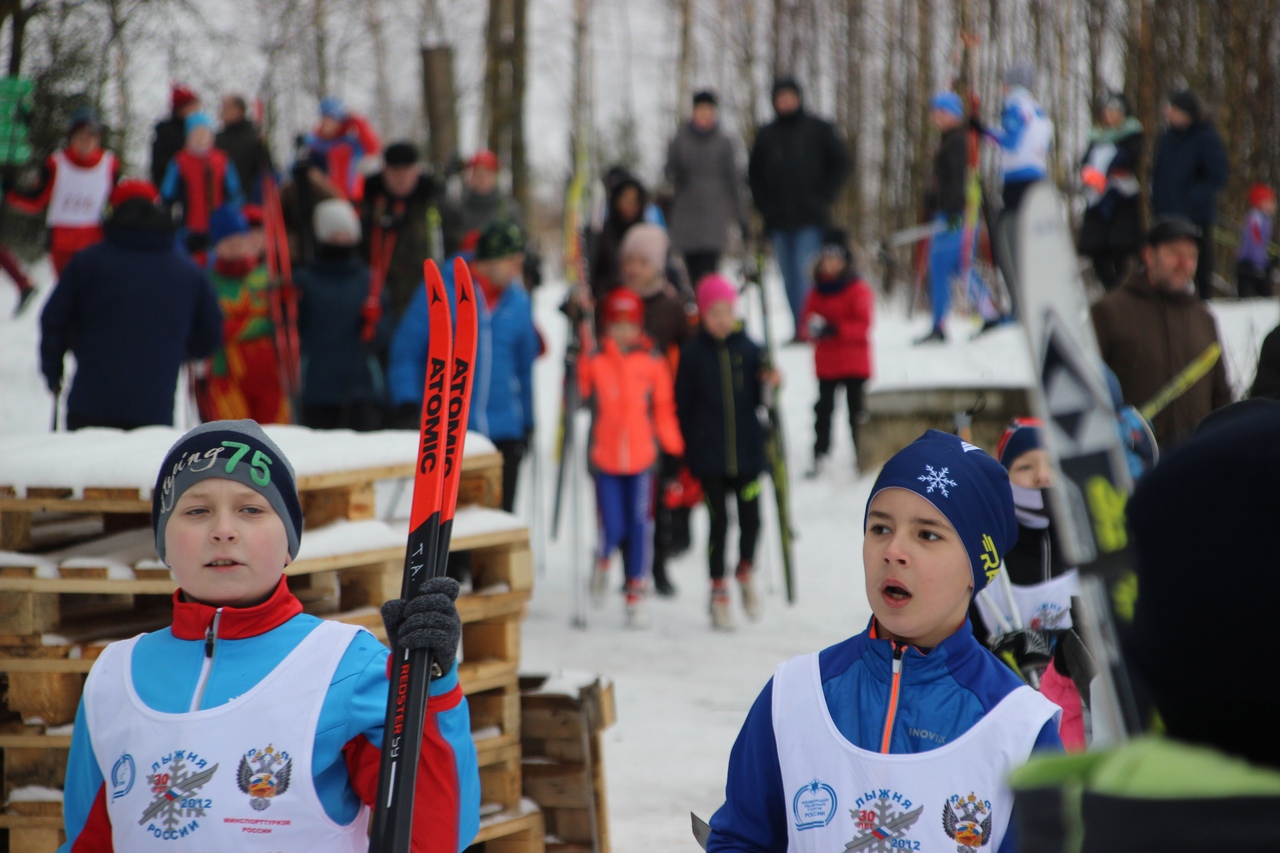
[[95, 837], [437, 797]]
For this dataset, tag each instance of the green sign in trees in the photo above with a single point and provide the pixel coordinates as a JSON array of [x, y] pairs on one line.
[[15, 118]]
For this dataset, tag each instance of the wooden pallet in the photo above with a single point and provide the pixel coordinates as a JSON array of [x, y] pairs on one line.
[[38, 514], [561, 729], [519, 829]]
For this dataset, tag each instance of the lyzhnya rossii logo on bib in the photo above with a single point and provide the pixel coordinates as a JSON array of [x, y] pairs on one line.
[[176, 805]]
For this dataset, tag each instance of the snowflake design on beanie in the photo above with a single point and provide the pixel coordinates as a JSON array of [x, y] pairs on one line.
[[936, 480]]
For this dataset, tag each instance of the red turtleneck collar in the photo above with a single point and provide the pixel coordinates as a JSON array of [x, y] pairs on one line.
[[89, 162], [192, 620]]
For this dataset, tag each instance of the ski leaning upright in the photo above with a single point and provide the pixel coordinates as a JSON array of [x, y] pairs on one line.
[[446, 403], [1072, 400], [775, 443]]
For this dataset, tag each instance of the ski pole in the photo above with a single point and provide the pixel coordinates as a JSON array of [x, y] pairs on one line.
[[1180, 384]]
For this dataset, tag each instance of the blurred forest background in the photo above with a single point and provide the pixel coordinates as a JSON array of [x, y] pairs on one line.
[[519, 76]]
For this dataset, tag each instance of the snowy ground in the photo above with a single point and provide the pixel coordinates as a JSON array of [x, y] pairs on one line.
[[682, 690]]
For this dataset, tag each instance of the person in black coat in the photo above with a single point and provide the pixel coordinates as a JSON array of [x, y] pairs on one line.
[[403, 211], [171, 134], [797, 167], [243, 144], [628, 200], [719, 388], [340, 330], [131, 309], [1111, 232], [1189, 171]]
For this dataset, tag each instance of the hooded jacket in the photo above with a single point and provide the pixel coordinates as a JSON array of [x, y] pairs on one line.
[[132, 310], [847, 307], [796, 170], [632, 406], [1148, 336], [1189, 170], [718, 392]]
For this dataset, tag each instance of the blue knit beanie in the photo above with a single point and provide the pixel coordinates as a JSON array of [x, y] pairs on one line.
[[227, 220], [231, 450], [967, 486], [948, 102], [197, 120], [1021, 436], [333, 107]]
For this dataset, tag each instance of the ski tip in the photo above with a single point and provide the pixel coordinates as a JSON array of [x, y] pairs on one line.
[[432, 279], [462, 275]]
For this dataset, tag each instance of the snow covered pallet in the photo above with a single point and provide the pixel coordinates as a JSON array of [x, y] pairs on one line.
[[518, 829], [561, 724], [61, 487], [45, 671]]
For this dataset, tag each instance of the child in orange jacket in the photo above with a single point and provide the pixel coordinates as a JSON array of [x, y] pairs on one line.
[[633, 404]]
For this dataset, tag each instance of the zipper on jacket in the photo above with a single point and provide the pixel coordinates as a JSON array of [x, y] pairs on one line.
[[893, 698], [1046, 558], [730, 427], [209, 637]]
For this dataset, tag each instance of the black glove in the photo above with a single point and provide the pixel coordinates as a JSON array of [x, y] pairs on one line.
[[1026, 651], [668, 466], [531, 272], [54, 385], [429, 621], [975, 123], [196, 242], [406, 416]]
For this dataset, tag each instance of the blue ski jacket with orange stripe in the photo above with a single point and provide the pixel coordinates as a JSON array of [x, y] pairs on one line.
[[941, 695]]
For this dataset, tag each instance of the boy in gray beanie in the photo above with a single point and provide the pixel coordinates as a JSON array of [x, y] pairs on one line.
[[216, 709]]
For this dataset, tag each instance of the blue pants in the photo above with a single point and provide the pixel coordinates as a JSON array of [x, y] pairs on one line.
[[794, 249], [624, 506], [944, 265]]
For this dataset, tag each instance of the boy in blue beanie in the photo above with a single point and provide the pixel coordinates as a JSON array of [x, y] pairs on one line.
[[248, 724], [906, 731]]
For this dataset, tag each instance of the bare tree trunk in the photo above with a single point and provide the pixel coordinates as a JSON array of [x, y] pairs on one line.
[[319, 25], [1096, 22], [520, 186], [888, 98], [851, 116], [381, 86], [686, 58], [439, 100], [921, 138]]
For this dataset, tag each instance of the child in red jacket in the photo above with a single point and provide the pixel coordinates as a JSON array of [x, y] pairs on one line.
[[634, 412], [837, 318], [200, 179]]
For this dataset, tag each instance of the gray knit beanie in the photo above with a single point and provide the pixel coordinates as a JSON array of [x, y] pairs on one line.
[[231, 450]]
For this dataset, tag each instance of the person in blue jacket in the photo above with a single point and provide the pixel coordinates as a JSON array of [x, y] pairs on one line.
[[502, 393], [247, 724], [903, 735]]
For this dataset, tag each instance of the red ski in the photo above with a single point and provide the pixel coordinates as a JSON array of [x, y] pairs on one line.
[[446, 404], [284, 297]]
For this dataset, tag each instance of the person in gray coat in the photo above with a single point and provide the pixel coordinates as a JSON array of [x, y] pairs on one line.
[[703, 172]]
